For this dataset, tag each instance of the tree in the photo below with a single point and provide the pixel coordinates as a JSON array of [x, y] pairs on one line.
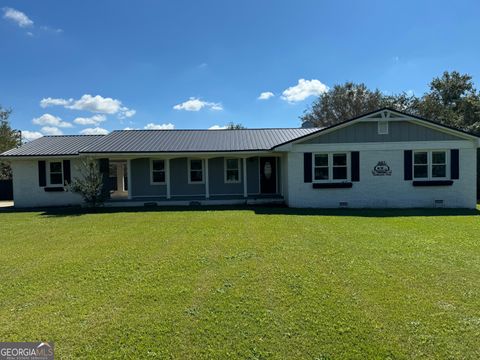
[[344, 102], [9, 139], [90, 183], [454, 101], [341, 103], [233, 126]]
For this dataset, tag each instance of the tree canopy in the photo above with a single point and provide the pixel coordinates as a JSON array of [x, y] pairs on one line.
[[452, 100], [9, 139]]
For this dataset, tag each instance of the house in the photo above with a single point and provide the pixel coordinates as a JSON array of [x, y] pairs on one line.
[[383, 159]]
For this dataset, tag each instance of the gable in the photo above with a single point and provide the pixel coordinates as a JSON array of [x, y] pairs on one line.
[[367, 131]]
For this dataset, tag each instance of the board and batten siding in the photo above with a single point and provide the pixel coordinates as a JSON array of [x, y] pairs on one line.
[[383, 191], [179, 186], [363, 132]]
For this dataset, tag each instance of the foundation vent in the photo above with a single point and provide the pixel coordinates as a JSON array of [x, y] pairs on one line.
[[439, 204], [343, 204]]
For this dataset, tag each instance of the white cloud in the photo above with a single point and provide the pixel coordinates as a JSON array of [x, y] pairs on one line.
[[129, 128], [95, 104], [93, 120], [303, 90], [194, 104], [153, 126], [48, 119], [46, 102], [51, 130], [31, 135], [217, 127], [266, 95], [94, 131], [20, 18]]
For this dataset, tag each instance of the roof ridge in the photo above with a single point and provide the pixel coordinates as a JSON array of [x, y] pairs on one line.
[[249, 129]]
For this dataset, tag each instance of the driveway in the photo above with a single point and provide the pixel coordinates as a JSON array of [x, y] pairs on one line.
[[6, 204]]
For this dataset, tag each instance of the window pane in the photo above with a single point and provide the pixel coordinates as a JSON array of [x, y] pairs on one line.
[[56, 178], [55, 167], [321, 160], [321, 173], [420, 158], [439, 170], [420, 171], [232, 163], [339, 159], [158, 165], [196, 164], [438, 157], [232, 175], [159, 176], [196, 176], [339, 173]]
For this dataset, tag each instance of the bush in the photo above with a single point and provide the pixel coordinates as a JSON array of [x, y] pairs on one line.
[[89, 184]]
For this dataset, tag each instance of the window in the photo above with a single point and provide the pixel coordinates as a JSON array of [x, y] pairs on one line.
[[439, 164], [158, 171], [195, 171], [232, 170], [420, 164], [55, 173], [383, 128], [429, 164], [330, 167]]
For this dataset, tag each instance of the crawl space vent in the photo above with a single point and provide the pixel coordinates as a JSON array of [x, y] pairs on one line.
[[439, 204], [343, 204]]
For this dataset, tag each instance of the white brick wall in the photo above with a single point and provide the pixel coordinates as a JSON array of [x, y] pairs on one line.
[[383, 191], [27, 193]]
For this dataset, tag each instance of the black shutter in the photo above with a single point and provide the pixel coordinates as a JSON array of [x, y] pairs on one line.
[[42, 173], [355, 165], [103, 166], [407, 165], [454, 164], [67, 175], [307, 167]]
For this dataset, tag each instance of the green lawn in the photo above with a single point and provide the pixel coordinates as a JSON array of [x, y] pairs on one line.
[[243, 283]]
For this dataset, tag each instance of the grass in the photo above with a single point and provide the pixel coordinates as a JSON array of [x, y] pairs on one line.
[[243, 283]]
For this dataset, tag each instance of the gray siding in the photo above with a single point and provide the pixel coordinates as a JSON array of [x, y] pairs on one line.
[[216, 170], [179, 186], [179, 179], [399, 131], [140, 184]]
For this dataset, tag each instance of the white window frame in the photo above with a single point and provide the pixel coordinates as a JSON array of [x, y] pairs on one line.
[[430, 164], [380, 130], [330, 167], [239, 169], [189, 171], [164, 171], [49, 183]]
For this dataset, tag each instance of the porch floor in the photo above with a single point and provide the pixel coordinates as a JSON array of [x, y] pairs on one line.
[[200, 200]]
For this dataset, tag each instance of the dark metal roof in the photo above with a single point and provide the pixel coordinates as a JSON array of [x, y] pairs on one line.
[[139, 141], [54, 145]]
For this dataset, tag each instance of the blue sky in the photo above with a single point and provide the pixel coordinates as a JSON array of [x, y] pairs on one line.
[[105, 65]]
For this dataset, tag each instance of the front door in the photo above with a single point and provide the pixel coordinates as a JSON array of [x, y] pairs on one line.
[[268, 175]]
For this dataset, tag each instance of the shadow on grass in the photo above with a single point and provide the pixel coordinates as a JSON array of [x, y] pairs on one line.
[[259, 210]]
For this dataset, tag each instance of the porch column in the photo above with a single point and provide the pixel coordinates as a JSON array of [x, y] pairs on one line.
[[207, 186], [245, 193], [167, 176], [129, 178], [120, 180]]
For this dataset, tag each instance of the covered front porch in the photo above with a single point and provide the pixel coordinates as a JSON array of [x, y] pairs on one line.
[[194, 179]]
